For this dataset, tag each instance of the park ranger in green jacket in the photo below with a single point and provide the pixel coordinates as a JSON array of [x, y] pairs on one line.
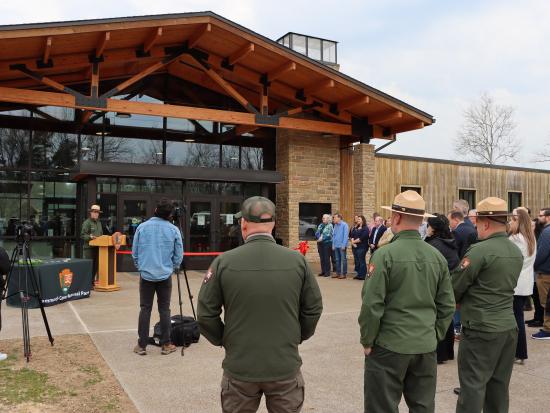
[[407, 308], [484, 287], [271, 303], [91, 229]]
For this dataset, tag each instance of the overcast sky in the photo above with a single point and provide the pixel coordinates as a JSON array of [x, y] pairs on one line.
[[436, 55]]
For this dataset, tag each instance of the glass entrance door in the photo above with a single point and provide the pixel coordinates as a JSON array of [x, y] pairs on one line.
[[133, 210], [201, 234], [229, 229]]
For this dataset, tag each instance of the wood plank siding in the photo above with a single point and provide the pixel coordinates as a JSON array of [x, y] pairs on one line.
[[440, 181]]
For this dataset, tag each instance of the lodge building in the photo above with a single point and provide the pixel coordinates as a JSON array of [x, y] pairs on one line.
[[201, 110]]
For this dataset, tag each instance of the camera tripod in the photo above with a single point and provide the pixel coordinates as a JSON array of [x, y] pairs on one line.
[[178, 222], [25, 272]]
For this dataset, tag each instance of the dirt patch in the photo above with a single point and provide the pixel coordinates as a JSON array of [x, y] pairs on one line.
[[71, 376]]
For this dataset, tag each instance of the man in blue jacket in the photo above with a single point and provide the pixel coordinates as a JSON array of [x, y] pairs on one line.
[[340, 238], [542, 269], [157, 252]]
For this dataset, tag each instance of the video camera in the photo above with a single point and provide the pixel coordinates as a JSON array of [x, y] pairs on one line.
[[24, 232], [178, 212]]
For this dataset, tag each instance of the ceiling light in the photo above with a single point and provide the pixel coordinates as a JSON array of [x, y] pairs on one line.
[[85, 149], [189, 140]]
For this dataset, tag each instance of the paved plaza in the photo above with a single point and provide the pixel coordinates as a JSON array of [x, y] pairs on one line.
[[332, 359]]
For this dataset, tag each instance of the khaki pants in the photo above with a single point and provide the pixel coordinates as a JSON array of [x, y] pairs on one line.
[[280, 396], [543, 286]]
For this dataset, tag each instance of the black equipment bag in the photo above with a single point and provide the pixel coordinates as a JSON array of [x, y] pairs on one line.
[[184, 331]]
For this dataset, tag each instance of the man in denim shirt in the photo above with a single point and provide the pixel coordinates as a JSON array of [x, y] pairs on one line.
[[157, 251], [339, 245]]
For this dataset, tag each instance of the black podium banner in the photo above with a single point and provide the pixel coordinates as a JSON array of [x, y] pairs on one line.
[[59, 280]]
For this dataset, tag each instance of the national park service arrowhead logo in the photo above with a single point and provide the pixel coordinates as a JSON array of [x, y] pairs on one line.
[[208, 276], [370, 270], [465, 263], [65, 280]]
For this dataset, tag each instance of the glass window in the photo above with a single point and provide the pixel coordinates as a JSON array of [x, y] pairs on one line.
[[108, 205], [252, 190], [299, 43], [310, 216], [314, 48], [10, 215], [14, 147], [15, 112], [12, 184], [230, 156], [286, 41], [66, 114], [252, 158], [90, 147], [230, 188], [200, 187], [469, 195], [136, 185], [54, 149], [192, 154], [168, 187], [514, 200], [411, 188], [106, 184], [329, 51], [144, 151]]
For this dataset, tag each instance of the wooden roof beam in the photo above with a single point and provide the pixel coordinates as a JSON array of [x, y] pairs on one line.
[[40, 98], [150, 42], [240, 54], [385, 117], [280, 71], [405, 127], [316, 87], [353, 102], [103, 40], [47, 50], [198, 34], [221, 82]]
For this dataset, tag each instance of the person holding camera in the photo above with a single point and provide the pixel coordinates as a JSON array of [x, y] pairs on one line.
[[91, 229], [157, 251]]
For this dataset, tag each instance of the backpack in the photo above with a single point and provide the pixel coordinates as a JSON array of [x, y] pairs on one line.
[[184, 331]]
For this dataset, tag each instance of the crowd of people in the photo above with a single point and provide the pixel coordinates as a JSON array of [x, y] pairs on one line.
[[490, 261]]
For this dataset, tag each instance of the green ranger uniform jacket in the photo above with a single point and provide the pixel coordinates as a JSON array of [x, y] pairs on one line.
[[484, 284], [271, 303], [408, 299], [90, 227]]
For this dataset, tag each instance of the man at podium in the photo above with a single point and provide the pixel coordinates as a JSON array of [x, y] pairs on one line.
[[91, 229]]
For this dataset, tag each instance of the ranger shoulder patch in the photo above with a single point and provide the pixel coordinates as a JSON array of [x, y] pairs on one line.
[[465, 263], [370, 270], [208, 276]]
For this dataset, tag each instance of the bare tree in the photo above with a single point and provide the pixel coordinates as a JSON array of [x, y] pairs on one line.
[[542, 155], [487, 134]]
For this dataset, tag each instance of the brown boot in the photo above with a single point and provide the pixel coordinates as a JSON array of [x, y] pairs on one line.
[[140, 350]]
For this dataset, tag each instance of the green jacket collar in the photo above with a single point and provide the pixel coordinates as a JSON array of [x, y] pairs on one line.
[[407, 234], [496, 235], [259, 237]]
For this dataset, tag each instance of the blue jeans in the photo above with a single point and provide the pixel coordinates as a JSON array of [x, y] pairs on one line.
[[456, 320], [360, 254], [341, 261]]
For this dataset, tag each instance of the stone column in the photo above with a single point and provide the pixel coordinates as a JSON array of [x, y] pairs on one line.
[[364, 180]]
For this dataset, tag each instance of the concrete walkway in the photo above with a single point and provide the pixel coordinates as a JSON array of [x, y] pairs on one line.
[[333, 360]]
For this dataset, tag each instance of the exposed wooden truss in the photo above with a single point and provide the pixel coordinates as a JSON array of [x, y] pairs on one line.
[[152, 40]]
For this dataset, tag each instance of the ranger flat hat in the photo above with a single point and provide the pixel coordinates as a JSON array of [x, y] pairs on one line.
[[492, 207], [409, 203], [95, 208], [254, 207]]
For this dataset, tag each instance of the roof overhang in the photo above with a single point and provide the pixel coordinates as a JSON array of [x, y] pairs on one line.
[[272, 83]]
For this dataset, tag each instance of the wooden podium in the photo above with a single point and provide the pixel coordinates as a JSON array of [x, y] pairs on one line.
[[106, 266]]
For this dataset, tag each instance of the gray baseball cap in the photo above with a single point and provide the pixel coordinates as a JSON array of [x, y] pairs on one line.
[[254, 207]]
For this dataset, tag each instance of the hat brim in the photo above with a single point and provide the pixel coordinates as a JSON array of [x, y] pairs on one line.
[[238, 215], [95, 210], [424, 215], [499, 214]]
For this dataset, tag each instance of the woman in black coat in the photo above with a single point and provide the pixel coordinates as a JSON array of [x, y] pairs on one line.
[[439, 236]]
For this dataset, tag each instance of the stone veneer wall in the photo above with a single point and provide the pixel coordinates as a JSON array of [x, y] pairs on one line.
[[310, 165], [364, 172]]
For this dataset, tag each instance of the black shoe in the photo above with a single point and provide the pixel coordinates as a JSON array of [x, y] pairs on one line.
[[456, 390], [534, 323]]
